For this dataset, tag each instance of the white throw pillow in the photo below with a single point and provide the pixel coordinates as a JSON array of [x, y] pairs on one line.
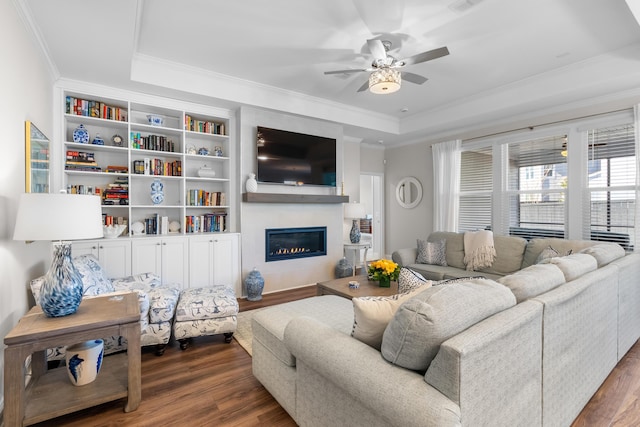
[[372, 314], [409, 279]]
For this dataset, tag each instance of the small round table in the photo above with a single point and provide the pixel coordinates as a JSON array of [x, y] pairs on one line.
[[356, 247]]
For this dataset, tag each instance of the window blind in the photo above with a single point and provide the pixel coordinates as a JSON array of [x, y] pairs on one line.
[[610, 213], [476, 187]]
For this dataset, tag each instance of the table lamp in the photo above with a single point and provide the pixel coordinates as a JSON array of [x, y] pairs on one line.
[[61, 217], [354, 211]]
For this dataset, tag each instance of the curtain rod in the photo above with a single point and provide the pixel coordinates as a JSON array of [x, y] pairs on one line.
[[545, 124]]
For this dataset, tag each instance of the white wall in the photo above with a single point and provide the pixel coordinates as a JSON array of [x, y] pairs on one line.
[[256, 217], [403, 226], [26, 88]]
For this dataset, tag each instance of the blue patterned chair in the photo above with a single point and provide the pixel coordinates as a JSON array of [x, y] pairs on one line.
[[157, 304]]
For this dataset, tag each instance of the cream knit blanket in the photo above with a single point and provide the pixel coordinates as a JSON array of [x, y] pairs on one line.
[[479, 251]]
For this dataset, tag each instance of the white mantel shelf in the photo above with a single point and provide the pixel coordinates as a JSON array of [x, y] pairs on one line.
[[292, 198]]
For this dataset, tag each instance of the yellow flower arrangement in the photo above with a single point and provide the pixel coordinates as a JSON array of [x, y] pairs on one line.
[[384, 269]]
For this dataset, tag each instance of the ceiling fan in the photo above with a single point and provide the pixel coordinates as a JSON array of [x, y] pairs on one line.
[[385, 74]]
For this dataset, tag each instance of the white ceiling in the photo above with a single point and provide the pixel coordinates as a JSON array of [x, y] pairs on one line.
[[507, 57]]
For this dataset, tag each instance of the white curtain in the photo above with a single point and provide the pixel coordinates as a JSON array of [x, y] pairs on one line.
[[446, 185], [636, 226]]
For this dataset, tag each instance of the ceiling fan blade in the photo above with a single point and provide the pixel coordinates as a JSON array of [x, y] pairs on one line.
[[425, 56], [346, 71], [413, 78], [377, 49], [364, 87]]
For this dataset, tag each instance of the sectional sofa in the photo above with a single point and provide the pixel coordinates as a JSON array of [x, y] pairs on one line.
[[549, 335]]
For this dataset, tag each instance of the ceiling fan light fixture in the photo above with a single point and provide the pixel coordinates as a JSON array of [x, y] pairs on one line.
[[385, 80]]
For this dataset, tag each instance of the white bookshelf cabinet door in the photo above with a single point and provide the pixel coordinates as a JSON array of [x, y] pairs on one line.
[[226, 261], [146, 256], [175, 261], [200, 261], [115, 257]]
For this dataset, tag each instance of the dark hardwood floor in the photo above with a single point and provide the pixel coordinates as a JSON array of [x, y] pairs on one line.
[[210, 384]]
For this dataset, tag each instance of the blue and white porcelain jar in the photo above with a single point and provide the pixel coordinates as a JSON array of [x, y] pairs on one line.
[[98, 140], [81, 135], [157, 192], [254, 284]]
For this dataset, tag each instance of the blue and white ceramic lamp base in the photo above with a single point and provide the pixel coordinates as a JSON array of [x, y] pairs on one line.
[[61, 291]]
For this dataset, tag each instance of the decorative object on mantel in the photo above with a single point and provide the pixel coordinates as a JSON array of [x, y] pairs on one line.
[[344, 268], [157, 192], [254, 284], [251, 185], [383, 271], [354, 211], [67, 217], [81, 134], [84, 361], [206, 172]]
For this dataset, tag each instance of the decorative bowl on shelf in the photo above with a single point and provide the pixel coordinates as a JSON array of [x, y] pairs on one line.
[[155, 120], [113, 231]]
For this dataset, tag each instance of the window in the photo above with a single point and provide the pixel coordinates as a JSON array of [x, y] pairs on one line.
[[476, 188], [536, 186], [611, 185]]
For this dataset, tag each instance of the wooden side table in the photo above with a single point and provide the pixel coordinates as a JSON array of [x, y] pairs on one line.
[[50, 392]]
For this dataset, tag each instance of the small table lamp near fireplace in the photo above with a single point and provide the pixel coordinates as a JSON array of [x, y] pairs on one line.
[[46, 216], [354, 211]]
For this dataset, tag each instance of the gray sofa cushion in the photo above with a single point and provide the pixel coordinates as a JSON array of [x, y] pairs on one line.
[[575, 265], [533, 281], [604, 253], [454, 247], [420, 325], [509, 253], [536, 246]]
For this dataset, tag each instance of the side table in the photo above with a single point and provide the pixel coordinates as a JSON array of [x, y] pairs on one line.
[[356, 247], [50, 394]]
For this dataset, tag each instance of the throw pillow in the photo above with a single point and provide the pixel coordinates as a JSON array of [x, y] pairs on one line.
[[372, 314], [94, 280], [409, 280], [548, 253], [432, 252], [421, 324]]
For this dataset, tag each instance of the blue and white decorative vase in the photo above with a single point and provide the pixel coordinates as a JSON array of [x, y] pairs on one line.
[[254, 284], [84, 361], [97, 140], [344, 268], [61, 291], [81, 135], [354, 234], [157, 192]]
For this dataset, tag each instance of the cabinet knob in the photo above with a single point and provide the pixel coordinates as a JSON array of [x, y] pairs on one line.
[[101, 247], [94, 247], [164, 243]]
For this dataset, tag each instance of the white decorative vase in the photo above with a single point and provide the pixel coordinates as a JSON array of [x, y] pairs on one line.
[[251, 185], [84, 361]]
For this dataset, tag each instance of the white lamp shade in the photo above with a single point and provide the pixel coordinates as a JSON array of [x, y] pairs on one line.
[[48, 216], [354, 210]]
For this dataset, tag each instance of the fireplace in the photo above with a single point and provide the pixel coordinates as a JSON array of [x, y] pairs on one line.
[[291, 243]]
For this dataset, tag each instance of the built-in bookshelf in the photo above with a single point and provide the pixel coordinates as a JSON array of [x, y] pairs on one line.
[[133, 145]]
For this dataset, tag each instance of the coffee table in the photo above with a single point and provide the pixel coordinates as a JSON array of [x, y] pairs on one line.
[[367, 288]]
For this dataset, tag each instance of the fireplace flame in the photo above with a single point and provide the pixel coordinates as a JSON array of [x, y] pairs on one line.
[[289, 251]]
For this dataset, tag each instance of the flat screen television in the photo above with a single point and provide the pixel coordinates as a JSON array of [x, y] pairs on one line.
[[294, 158]]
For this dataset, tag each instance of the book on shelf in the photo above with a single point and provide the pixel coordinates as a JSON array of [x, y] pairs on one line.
[[207, 223], [204, 126], [91, 108], [152, 142], [198, 197], [117, 169], [80, 156], [157, 167]]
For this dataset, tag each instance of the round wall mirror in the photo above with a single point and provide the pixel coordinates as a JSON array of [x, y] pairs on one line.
[[409, 192]]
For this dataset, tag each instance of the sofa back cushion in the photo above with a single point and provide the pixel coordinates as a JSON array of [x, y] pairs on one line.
[[562, 246], [509, 254], [533, 280], [421, 324], [575, 265], [454, 247], [604, 253]]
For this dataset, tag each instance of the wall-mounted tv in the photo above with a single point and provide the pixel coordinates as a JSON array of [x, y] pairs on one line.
[[294, 158]]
